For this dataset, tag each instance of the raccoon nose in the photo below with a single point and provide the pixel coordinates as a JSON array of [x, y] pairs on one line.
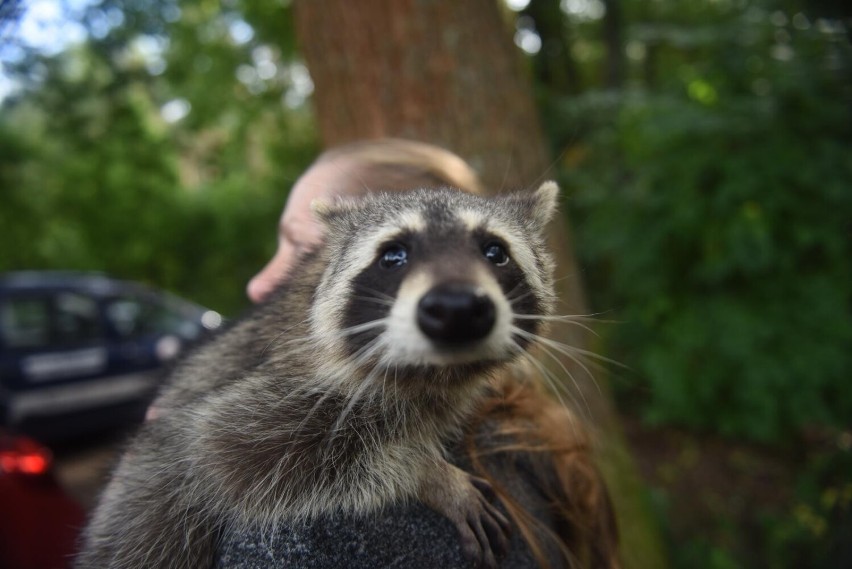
[[456, 313]]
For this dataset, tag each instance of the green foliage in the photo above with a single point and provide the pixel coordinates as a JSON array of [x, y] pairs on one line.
[[701, 552], [93, 177], [814, 530], [714, 222], [711, 198]]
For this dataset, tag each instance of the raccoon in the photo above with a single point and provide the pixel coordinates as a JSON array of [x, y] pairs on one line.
[[339, 393]]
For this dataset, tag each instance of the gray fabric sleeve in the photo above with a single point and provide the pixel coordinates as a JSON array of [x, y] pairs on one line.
[[410, 536]]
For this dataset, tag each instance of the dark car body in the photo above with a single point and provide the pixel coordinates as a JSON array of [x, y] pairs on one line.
[[80, 352]]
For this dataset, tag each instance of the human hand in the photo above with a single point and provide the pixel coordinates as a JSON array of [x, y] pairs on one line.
[[298, 229]]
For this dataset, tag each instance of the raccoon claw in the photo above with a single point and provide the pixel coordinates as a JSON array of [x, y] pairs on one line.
[[468, 502], [484, 530]]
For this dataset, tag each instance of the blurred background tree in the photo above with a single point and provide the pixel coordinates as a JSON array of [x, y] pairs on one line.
[[158, 148], [705, 149], [464, 89]]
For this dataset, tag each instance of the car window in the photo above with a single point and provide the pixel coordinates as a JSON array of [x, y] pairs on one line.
[[134, 316], [124, 315], [25, 322], [76, 320]]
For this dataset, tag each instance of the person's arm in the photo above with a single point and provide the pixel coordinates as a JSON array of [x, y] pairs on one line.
[[402, 536]]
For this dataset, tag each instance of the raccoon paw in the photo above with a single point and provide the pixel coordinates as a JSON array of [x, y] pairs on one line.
[[468, 501], [484, 530]]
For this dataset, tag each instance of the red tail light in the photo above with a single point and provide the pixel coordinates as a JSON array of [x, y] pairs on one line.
[[23, 456]]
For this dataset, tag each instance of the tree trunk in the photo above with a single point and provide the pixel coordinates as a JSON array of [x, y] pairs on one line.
[[426, 70], [447, 72]]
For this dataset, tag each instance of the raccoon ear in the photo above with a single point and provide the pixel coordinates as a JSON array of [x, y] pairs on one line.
[[544, 202], [323, 209], [330, 212]]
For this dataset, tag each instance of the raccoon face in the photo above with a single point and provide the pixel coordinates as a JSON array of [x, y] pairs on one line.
[[434, 278]]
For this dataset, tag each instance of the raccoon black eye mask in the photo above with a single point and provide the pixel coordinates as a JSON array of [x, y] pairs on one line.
[[338, 394]]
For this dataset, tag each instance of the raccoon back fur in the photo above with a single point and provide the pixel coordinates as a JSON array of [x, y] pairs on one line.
[[338, 394]]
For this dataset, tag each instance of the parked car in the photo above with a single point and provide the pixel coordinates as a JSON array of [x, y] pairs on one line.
[[39, 522], [80, 352]]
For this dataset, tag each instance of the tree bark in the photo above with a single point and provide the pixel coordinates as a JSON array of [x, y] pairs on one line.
[[429, 70], [447, 72]]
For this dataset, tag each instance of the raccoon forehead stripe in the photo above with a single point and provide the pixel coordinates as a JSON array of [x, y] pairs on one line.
[[409, 220], [472, 219], [406, 222]]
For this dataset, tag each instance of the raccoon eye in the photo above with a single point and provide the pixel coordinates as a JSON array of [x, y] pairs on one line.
[[393, 257], [496, 253]]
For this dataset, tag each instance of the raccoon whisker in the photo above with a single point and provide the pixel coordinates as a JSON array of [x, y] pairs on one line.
[[363, 327], [353, 400], [572, 352], [376, 300], [360, 357], [309, 342], [510, 296], [515, 299], [309, 345], [555, 385], [376, 293], [562, 278], [400, 414], [578, 317], [295, 432], [563, 302], [355, 361], [560, 319], [392, 404], [567, 351], [570, 376], [513, 291], [593, 317], [384, 391]]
